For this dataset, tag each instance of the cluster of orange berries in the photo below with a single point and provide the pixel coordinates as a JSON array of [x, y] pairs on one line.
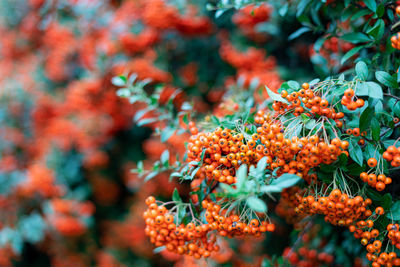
[[287, 204], [67, 216], [187, 239], [394, 234], [383, 258], [392, 154], [378, 182], [310, 100], [226, 149], [370, 238], [338, 208], [347, 100], [395, 41], [197, 241], [305, 257], [395, 38], [355, 132], [231, 226], [361, 228]]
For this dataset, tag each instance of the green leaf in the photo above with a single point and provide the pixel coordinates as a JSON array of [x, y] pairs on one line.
[[118, 80], [366, 117], [246, 115], [362, 70], [386, 201], [150, 176], [275, 96], [377, 30], [227, 188], [166, 133], [165, 157], [376, 129], [286, 180], [271, 189], [386, 79], [293, 85], [256, 204], [360, 14], [355, 152], [371, 4], [381, 10], [283, 10], [146, 121], [241, 176], [301, 7], [394, 212], [374, 90], [123, 92], [362, 89], [175, 196], [158, 249], [356, 37], [350, 53], [298, 33], [262, 165]]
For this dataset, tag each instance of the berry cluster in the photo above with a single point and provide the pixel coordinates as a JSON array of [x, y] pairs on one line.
[[338, 208], [306, 257], [226, 149], [395, 41], [384, 258], [197, 241], [378, 182], [392, 154], [232, 226], [374, 246], [355, 132], [347, 100], [187, 239], [394, 234], [287, 204], [306, 98]]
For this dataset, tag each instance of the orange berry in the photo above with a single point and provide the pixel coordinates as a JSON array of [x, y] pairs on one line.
[[372, 162]]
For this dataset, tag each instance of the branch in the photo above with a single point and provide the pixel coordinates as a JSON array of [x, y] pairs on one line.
[[390, 95], [397, 125]]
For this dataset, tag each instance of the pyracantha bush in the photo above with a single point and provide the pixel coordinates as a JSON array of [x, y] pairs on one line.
[[155, 132]]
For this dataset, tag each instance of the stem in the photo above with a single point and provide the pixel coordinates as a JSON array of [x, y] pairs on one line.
[[393, 96]]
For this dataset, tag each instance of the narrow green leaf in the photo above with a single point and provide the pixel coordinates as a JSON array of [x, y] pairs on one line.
[[241, 176], [256, 204], [351, 53], [356, 152], [386, 79], [175, 196], [286, 180], [394, 212], [271, 189], [118, 80], [164, 157], [376, 129], [362, 70], [366, 117], [166, 133], [356, 37], [374, 90], [371, 4], [298, 33]]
